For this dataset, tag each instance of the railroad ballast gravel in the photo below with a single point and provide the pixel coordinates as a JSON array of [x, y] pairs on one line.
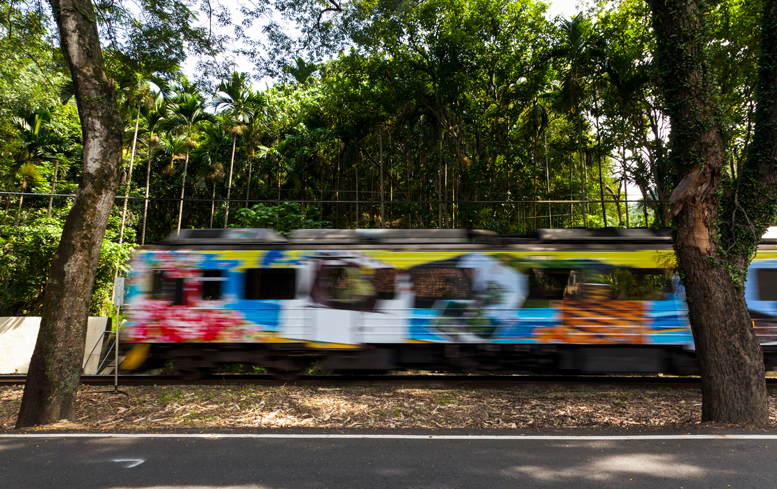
[[153, 407]]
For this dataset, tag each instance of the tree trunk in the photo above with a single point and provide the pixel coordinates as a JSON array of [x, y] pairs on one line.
[[7, 207], [21, 200], [55, 368], [713, 263], [356, 169], [625, 184], [248, 187], [183, 189], [127, 192], [729, 354], [229, 184], [583, 194], [212, 204], [601, 179], [547, 179], [53, 188], [129, 182], [382, 199], [145, 199]]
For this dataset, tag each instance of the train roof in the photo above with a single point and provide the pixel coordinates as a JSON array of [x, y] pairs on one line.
[[313, 237], [305, 238]]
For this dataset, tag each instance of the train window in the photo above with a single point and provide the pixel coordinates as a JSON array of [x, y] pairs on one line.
[[547, 283], [157, 284], [767, 284], [588, 284], [166, 288], [211, 285], [431, 284], [385, 280], [345, 284], [271, 284], [639, 284]]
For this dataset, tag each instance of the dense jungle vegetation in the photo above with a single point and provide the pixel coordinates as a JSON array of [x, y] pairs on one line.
[[441, 113]]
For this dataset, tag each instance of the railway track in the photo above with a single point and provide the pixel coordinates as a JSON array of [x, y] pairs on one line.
[[429, 380]]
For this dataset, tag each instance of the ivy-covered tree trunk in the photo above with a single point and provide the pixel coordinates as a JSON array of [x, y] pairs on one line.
[[55, 369], [718, 221]]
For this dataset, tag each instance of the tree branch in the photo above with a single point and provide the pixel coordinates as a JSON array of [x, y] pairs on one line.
[[336, 7]]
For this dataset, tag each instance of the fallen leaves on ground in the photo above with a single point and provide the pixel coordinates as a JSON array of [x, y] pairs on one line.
[[153, 407]]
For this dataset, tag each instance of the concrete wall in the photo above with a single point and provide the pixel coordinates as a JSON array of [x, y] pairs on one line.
[[18, 336]]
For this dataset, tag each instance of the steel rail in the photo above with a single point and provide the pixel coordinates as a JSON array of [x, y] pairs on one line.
[[429, 380]]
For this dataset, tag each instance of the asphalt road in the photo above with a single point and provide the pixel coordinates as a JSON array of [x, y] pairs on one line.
[[363, 460]]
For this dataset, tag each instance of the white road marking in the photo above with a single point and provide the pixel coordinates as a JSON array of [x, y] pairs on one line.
[[131, 462], [367, 436]]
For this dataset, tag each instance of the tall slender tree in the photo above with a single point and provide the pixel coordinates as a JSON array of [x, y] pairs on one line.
[[39, 142], [185, 111], [576, 48], [154, 116], [236, 102], [210, 154]]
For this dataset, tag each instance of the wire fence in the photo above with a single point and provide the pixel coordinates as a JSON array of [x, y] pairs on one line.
[[347, 208]]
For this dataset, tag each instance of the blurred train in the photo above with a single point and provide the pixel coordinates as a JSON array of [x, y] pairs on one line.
[[359, 300]]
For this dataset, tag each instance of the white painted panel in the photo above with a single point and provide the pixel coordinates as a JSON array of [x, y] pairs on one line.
[[294, 320], [334, 325], [391, 324], [19, 334]]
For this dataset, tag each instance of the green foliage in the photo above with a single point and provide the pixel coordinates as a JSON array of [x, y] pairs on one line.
[[31, 71], [431, 106], [25, 258], [24, 262], [283, 218]]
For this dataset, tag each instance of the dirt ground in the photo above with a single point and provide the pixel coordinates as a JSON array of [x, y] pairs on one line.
[[152, 407]]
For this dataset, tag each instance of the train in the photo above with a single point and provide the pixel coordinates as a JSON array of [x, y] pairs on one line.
[[579, 301]]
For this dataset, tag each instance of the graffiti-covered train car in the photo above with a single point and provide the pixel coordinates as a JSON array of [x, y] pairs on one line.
[[442, 299]]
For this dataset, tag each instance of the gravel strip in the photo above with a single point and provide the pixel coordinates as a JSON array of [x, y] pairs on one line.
[[153, 407]]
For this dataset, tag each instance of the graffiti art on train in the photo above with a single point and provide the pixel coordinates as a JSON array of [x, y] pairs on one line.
[[346, 298]]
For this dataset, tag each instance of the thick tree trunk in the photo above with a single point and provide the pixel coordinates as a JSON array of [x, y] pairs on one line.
[[730, 357], [729, 354], [55, 369]]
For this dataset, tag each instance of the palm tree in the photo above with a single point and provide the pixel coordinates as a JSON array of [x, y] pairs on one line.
[[577, 48], [627, 82], [209, 154], [237, 103], [174, 147], [137, 93], [185, 111], [29, 172], [38, 141], [533, 123], [153, 115], [253, 148]]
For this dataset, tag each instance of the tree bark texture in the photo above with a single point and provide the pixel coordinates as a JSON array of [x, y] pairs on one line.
[[55, 368], [730, 356]]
